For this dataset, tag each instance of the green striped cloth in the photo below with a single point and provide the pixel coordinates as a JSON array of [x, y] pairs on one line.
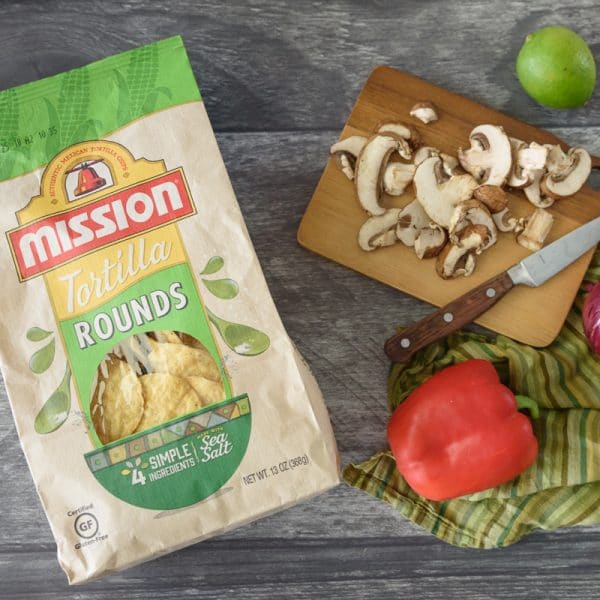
[[561, 489]]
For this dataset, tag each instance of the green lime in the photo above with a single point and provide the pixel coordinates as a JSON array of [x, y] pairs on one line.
[[556, 67]]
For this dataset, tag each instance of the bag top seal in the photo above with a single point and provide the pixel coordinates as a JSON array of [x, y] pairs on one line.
[[90, 102]]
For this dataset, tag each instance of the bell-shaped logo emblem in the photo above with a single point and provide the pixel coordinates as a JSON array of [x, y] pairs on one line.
[[88, 179]]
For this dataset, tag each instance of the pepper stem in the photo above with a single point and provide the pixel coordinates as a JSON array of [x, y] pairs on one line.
[[529, 404]]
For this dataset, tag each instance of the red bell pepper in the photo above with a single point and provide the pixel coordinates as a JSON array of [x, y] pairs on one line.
[[460, 432]]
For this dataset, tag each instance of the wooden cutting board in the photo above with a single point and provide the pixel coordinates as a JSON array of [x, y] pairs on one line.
[[332, 219]]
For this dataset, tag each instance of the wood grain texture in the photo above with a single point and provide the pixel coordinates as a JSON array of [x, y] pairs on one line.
[[300, 65], [334, 216], [293, 67]]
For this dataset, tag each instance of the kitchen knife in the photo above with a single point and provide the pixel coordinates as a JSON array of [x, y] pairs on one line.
[[532, 271]]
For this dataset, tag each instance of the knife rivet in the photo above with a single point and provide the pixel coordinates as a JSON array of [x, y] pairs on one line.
[[490, 292], [405, 342], [448, 317]]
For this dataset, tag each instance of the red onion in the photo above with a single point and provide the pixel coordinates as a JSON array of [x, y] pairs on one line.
[[591, 317]]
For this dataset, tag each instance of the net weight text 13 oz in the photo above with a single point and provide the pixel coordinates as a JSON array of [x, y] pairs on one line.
[[276, 469]]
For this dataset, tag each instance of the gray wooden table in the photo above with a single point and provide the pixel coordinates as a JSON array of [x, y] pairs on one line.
[[279, 79]]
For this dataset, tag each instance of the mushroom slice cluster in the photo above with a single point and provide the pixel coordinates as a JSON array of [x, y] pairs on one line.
[[450, 163], [495, 200], [430, 241], [411, 221], [447, 199], [489, 159], [459, 206], [458, 259], [409, 225], [472, 212], [567, 173], [562, 175], [440, 193], [528, 160]]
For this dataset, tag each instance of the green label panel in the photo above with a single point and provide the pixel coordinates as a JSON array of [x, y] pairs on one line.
[[39, 119], [177, 306], [178, 463]]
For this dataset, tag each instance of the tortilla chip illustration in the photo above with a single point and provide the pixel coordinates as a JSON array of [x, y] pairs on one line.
[[190, 340], [182, 361], [150, 378], [117, 405], [208, 391], [167, 335], [166, 397]]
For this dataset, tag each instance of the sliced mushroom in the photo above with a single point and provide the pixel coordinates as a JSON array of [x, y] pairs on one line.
[[430, 241], [438, 192], [489, 158], [496, 201], [346, 165], [411, 220], [533, 192], [568, 176], [451, 164], [533, 157], [424, 111], [406, 132], [346, 151], [492, 196], [506, 222], [380, 230], [517, 178], [527, 161], [423, 153], [397, 176], [370, 166], [472, 212], [459, 259], [397, 128], [453, 261], [533, 161], [557, 161], [537, 229]]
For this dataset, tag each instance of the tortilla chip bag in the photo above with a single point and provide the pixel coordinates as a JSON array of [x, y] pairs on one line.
[[147, 368]]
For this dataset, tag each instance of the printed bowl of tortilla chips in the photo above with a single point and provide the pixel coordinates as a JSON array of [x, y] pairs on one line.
[[152, 378]]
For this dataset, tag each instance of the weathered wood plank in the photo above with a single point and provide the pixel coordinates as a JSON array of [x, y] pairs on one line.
[[357, 568], [288, 66]]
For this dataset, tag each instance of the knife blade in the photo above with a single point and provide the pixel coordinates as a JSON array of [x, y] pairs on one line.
[[533, 271]]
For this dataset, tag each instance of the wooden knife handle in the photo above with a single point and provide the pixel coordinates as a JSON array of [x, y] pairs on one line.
[[595, 162], [459, 312]]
